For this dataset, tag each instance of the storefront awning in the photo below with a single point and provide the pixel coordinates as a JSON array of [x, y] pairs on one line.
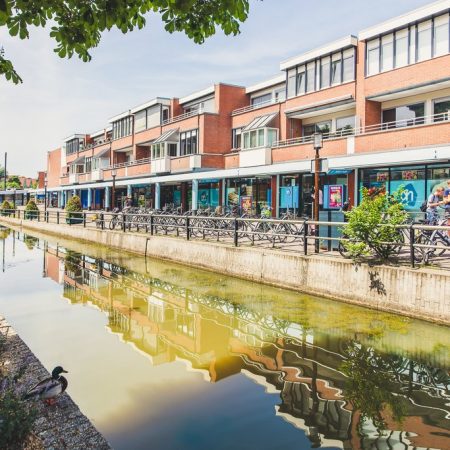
[[79, 161], [103, 153], [260, 122], [171, 135]]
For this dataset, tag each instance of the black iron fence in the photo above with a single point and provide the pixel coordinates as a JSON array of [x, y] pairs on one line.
[[414, 243]]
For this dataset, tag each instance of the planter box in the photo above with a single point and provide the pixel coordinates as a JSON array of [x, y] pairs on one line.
[[74, 218], [30, 215]]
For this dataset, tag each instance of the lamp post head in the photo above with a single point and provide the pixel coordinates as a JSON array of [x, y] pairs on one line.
[[317, 140], [113, 173]]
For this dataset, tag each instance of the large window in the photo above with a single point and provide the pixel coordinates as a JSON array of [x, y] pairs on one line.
[[236, 135], [262, 137], [261, 99], [415, 43], [188, 143], [321, 73], [73, 146], [373, 57], [163, 149], [88, 163], [387, 52], [441, 109], [319, 127], [123, 127], [345, 125], [404, 116]]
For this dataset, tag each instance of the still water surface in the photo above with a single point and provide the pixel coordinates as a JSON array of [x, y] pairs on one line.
[[167, 357]]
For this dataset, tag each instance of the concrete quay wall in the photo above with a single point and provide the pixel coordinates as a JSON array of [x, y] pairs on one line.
[[422, 293]]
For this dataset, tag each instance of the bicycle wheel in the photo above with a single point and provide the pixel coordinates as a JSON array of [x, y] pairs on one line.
[[113, 223]]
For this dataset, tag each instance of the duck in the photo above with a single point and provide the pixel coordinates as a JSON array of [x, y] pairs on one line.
[[50, 388]]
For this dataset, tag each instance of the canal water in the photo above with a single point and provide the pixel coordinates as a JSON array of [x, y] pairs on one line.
[[161, 356]]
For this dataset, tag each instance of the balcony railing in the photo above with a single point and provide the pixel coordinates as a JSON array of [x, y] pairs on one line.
[[184, 116], [136, 162], [256, 106], [433, 119]]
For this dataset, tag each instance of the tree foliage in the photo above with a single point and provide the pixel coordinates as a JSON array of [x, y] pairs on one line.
[[371, 227], [76, 25], [13, 181]]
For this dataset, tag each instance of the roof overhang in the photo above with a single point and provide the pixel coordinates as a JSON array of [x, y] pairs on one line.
[[405, 19], [103, 153], [197, 95], [120, 116], [156, 101], [415, 89], [323, 107], [279, 79], [169, 136], [74, 136], [78, 161], [349, 41]]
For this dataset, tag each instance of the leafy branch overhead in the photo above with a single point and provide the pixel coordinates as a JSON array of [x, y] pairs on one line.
[[76, 25]]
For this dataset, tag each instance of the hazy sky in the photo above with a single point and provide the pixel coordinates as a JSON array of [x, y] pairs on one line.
[[60, 97]]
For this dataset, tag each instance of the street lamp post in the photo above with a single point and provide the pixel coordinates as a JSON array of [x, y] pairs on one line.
[[45, 195], [113, 196], [318, 144]]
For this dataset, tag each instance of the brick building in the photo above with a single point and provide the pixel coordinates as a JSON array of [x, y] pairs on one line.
[[380, 99]]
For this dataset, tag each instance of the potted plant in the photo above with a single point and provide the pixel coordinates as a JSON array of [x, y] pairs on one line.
[[31, 210], [5, 208], [74, 211]]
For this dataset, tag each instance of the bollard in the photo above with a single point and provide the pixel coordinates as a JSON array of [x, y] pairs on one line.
[[188, 233], [412, 239], [305, 237]]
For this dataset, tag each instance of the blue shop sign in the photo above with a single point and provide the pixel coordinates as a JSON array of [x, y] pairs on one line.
[[413, 194]]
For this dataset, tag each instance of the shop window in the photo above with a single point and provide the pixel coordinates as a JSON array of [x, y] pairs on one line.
[[374, 178], [441, 110], [412, 182], [437, 176], [404, 116]]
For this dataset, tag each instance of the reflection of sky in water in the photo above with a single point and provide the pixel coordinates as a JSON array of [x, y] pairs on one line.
[[171, 406]]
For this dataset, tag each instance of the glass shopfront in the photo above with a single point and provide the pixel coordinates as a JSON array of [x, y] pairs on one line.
[[250, 195], [171, 195], [208, 194], [296, 192], [142, 196], [417, 181]]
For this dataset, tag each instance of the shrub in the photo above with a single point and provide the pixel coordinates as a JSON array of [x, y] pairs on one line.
[[31, 210], [371, 227], [73, 210], [16, 420], [4, 206]]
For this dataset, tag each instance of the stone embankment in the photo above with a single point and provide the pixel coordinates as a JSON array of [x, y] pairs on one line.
[[57, 427], [421, 293]]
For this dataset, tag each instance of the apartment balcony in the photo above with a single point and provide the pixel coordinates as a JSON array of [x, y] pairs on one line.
[[97, 175], [73, 178], [334, 144], [255, 157], [128, 169], [403, 134], [161, 165], [64, 179], [183, 116], [249, 108]]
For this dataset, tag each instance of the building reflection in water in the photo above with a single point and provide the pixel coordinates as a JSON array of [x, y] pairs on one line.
[[334, 384]]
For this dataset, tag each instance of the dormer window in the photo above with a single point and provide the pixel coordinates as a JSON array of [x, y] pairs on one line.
[[258, 134]]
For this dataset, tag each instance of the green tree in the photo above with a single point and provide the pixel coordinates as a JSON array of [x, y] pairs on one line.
[[77, 24], [13, 181], [372, 225], [2, 172]]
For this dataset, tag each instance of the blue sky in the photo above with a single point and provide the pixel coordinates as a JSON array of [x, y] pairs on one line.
[[61, 97]]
